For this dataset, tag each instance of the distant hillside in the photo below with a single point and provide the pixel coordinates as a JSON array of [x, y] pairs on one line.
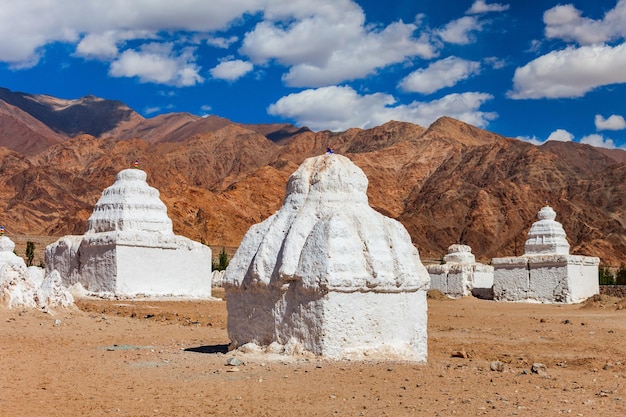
[[447, 183]]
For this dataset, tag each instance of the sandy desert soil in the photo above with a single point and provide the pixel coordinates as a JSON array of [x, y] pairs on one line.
[[168, 358]]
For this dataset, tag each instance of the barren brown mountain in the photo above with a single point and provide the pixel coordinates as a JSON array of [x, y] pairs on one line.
[[447, 183]]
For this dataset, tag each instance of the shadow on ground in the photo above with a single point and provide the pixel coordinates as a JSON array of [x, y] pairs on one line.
[[208, 349]]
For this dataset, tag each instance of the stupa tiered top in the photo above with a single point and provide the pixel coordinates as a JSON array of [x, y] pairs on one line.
[[130, 204], [546, 236]]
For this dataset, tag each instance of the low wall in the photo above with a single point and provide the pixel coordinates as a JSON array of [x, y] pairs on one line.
[[613, 290]]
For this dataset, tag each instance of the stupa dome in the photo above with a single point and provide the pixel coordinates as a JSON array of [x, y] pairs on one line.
[[327, 235]]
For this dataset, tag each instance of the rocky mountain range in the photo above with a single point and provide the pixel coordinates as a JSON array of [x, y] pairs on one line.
[[447, 183]]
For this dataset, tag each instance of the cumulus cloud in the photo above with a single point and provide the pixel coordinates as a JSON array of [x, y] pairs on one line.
[[571, 72], [158, 63], [614, 122], [104, 46], [531, 139], [444, 73], [460, 31], [341, 107], [231, 70], [27, 26], [599, 141], [561, 135], [221, 42], [566, 22], [327, 42], [481, 6]]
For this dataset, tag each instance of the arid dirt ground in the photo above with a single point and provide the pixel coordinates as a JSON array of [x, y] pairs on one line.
[[168, 358]]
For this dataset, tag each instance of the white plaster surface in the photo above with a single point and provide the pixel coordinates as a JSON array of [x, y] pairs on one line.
[[546, 236], [28, 287], [461, 275], [130, 249], [328, 273], [546, 273]]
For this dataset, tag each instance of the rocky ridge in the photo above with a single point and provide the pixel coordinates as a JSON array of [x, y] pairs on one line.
[[447, 183]]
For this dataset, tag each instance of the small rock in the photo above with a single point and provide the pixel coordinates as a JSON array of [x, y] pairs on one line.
[[539, 369], [233, 361], [497, 366], [57, 322], [460, 354]]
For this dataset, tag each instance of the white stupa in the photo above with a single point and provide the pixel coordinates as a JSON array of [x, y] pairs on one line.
[[460, 275], [327, 274], [26, 287], [130, 249], [546, 272]]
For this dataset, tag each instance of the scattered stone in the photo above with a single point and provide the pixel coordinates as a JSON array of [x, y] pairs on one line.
[[497, 366], [539, 369], [232, 361], [460, 354]]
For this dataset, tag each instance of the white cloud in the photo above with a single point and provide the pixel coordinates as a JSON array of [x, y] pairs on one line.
[[460, 31], [531, 139], [571, 72], [231, 70], [599, 141], [221, 42], [104, 46], [327, 42], [614, 122], [561, 135], [151, 110], [339, 108], [565, 22], [27, 26], [481, 6], [157, 63], [444, 73]]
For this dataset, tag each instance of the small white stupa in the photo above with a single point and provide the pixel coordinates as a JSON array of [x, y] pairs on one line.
[[461, 275], [327, 274], [26, 287], [546, 272], [130, 248]]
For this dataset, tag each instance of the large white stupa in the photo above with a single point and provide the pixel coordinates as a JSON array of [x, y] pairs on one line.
[[546, 272], [130, 249], [327, 274], [460, 275]]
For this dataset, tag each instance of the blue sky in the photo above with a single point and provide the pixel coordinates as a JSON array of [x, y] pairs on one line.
[[533, 69]]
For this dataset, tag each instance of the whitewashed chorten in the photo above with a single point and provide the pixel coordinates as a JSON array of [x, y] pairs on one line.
[[26, 287], [327, 274], [130, 248], [546, 272], [460, 275]]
